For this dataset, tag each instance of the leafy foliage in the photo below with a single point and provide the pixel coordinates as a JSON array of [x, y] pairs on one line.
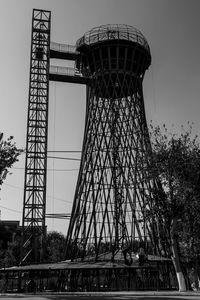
[[8, 156], [55, 246], [10, 255], [176, 158]]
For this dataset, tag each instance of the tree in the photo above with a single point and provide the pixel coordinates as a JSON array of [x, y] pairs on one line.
[[55, 246], [12, 253], [176, 159], [9, 252], [8, 156]]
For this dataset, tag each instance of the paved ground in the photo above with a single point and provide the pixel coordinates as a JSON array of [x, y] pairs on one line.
[[107, 296]]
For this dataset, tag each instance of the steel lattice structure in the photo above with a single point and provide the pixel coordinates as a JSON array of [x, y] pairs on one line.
[[118, 195], [115, 190], [34, 205]]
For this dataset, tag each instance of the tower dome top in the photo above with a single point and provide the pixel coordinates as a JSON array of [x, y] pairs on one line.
[[113, 32]]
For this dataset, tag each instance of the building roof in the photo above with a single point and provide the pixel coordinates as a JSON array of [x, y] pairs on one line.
[[64, 265]]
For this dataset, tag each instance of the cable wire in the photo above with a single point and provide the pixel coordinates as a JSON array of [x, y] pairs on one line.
[[64, 151], [65, 158], [48, 196], [57, 170], [14, 210]]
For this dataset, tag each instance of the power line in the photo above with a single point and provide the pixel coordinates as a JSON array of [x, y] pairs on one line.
[[14, 210], [57, 170], [58, 216], [64, 151], [59, 199], [13, 186], [48, 196], [60, 151], [65, 158], [48, 215]]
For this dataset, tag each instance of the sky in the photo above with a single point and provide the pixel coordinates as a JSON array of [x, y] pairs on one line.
[[171, 85]]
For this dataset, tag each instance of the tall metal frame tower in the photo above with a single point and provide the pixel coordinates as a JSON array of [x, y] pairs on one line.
[[115, 190], [34, 204]]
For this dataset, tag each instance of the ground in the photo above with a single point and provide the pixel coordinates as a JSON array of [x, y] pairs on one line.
[[107, 296]]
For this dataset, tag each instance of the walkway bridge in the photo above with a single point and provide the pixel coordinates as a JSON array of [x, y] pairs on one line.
[[65, 74]]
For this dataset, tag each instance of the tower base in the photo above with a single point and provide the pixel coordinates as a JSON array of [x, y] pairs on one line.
[[103, 276]]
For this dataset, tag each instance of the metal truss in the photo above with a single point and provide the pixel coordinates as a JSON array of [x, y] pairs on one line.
[[34, 205], [115, 191]]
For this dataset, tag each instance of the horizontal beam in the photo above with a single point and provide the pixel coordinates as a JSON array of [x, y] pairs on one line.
[[63, 55], [68, 78]]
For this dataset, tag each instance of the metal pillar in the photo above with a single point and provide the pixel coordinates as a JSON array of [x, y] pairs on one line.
[[115, 190], [34, 205]]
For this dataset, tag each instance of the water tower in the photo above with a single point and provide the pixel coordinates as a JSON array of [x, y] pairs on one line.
[[115, 191]]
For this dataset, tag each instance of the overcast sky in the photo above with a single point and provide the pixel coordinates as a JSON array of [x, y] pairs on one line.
[[171, 85]]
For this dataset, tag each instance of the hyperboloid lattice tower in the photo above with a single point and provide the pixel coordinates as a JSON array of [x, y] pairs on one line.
[[115, 190]]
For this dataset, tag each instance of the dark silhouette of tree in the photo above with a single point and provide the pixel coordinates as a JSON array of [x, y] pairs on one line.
[[10, 255], [55, 246], [9, 250], [176, 159], [8, 156]]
